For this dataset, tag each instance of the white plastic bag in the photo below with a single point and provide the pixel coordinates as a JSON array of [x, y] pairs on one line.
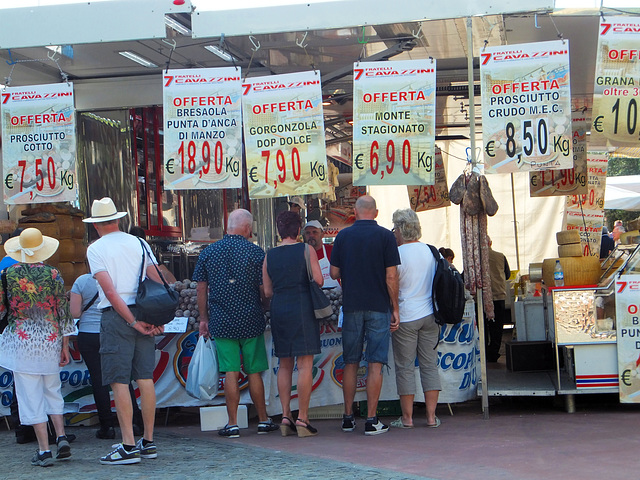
[[203, 375]]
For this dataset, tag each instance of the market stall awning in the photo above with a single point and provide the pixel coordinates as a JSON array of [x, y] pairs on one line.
[[622, 193]]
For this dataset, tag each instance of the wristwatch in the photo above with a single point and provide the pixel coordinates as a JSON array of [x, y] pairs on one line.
[[132, 323]]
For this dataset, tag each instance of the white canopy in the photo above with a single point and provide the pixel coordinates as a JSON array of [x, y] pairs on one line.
[[622, 193]]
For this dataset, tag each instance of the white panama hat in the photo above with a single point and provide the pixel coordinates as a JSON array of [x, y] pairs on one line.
[[103, 210]]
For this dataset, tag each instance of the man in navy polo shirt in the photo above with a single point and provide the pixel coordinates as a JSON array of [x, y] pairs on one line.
[[365, 256]]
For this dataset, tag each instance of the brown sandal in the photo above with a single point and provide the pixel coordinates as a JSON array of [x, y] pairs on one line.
[[306, 430], [287, 429]]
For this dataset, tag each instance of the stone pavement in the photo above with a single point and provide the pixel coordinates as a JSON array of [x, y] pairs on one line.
[[524, 439], [183, 453]]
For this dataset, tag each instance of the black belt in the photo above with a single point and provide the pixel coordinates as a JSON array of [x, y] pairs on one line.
[[107, 309]]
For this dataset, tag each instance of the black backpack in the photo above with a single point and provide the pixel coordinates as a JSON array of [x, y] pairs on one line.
[[447, 292]]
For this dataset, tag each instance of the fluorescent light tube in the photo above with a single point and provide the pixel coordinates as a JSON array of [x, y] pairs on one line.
[[138, 59], [227, 57]]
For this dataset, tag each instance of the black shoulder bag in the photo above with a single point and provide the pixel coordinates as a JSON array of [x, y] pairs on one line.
[[156, 302]]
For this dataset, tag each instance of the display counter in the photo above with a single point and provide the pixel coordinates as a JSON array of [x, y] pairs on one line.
[[458, 363]]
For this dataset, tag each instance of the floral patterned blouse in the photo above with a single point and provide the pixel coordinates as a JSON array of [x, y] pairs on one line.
[[38, 319]]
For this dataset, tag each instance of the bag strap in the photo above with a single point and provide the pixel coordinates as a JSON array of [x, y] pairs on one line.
[[4, 290], [146, 250], [307, 259], [91, 302]]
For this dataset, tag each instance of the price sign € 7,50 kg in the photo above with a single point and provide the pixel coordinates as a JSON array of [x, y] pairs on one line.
[[526, 107], [39, 144], [394, 123]]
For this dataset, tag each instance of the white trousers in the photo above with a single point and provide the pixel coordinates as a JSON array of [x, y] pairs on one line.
[[38, 396]]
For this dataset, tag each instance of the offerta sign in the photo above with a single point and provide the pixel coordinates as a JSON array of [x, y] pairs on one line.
[[284, 135], [202, 129], [39, 144], [616, 92], [526, 107], [394, 123]]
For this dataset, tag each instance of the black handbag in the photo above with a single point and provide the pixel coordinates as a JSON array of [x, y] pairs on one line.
[[156, 302], [321, 304]]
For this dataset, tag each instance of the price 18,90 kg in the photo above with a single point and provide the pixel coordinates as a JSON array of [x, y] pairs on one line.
[[192, 158]]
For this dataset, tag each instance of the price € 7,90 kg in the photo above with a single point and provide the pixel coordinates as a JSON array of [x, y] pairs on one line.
[[424, 161]]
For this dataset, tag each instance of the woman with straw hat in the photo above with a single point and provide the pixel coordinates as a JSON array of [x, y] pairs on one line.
[[35, 343]]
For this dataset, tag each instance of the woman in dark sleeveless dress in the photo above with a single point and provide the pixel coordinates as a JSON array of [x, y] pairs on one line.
[[295, 330]]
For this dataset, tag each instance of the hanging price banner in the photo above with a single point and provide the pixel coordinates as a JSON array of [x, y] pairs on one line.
[[586, 212], [526, 107], [616, 94], [39, 144], [572, 181], [394, 122], [429, 197], [628, 346], [202, 128], [284, 135]]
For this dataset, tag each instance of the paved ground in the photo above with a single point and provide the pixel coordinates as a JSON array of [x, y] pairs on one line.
[[524, 439]]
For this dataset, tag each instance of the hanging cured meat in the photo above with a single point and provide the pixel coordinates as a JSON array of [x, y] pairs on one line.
[[471, 191]]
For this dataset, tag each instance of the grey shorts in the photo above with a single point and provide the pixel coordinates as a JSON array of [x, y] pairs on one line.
[[125, 353], [416, 339]]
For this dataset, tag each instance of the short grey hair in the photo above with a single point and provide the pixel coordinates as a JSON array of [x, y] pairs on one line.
[[239, 218], [406, 220]]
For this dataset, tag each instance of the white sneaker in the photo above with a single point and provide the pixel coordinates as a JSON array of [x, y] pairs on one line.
[[371, 428]]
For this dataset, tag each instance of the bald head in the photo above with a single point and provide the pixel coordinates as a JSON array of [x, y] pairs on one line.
[[240, 222], [366, 208]]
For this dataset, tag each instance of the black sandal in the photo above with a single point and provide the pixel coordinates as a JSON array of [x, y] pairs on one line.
[[306, 430], [287, 429]]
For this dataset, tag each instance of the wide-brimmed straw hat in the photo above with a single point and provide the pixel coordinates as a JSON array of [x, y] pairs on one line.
[[31, 246], [103, 210]]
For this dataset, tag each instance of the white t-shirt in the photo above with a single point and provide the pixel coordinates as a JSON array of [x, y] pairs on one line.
[[119, 254], [416, 272]]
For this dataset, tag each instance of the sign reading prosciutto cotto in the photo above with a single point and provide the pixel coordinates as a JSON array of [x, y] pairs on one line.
[[202, 128], [39, 144], [284, 135]]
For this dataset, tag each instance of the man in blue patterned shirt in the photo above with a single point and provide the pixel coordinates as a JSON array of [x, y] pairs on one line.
[[231, 311]]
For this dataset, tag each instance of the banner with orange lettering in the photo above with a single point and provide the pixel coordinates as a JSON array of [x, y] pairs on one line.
[[284, 135], [394, 122], [526, 107], [202, 128], [586, 212], [616, 92], [39, 144]]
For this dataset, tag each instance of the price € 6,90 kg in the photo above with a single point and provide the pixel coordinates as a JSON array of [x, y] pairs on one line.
[[389, 154]]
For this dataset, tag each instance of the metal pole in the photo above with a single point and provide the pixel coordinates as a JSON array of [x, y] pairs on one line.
[[515, 222], [472, 135]]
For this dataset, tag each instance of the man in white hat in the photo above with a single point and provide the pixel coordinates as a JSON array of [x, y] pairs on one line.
[[313, 233], [296, 204], [127, 345]]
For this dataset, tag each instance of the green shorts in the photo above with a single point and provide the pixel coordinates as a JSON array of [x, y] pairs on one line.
[[251, 352]]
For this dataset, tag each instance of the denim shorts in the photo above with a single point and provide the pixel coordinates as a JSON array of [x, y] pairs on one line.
[[125, 353], [372, 327]]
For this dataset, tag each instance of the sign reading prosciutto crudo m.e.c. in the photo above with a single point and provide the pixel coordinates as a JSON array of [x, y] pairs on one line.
[[526, 107]]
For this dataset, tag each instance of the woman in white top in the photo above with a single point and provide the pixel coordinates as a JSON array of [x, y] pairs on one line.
[[418, 332]]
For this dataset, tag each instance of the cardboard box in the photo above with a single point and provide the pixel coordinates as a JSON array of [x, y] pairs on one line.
[[215, 418], [530, 356]]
